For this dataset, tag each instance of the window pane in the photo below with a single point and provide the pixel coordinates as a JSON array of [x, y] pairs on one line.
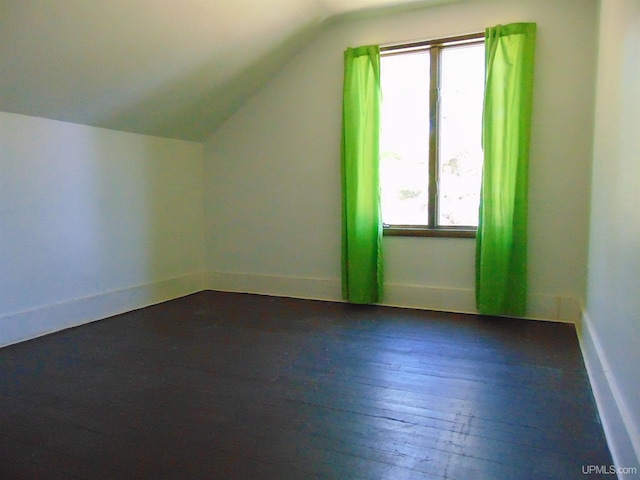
[[460, 132], [404, 138]]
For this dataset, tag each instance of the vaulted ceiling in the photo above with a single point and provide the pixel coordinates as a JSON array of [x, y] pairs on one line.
[[172, 68]]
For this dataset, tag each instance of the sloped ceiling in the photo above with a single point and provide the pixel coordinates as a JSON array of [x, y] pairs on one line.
[[171, 68]]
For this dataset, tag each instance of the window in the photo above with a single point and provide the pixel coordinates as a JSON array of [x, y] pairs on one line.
[[430, 139]]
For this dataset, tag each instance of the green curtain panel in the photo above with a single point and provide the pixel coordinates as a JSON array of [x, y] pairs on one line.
[[501, 248], [361, 213]]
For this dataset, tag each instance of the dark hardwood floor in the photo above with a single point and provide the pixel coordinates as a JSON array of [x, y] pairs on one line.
[[219, 385]]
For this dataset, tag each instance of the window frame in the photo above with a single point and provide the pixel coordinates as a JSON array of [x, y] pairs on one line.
[[434, 47]]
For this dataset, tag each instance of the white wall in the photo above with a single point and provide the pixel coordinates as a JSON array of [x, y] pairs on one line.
[[610, 331], [273, 181], [93, 222]]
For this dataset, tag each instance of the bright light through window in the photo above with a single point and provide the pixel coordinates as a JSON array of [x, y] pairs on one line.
[[426, 135], [404, 139], [460, 135]]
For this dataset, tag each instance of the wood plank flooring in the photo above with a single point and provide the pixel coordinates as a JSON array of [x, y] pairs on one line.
[[235, 386]]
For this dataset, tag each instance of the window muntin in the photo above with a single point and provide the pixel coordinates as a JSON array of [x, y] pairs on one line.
[[430, 142]]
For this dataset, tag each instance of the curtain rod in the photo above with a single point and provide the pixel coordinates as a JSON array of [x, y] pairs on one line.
[[435, 41]]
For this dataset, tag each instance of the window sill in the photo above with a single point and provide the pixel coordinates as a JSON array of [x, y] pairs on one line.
[[412, 231]]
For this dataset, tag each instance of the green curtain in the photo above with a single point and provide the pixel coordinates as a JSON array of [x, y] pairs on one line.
[[361, 213], [501, 248]]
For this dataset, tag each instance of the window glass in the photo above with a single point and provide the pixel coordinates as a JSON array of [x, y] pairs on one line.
[[404, 138], [460, 134]]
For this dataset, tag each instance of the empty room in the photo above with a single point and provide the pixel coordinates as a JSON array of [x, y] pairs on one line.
[[295, 239]]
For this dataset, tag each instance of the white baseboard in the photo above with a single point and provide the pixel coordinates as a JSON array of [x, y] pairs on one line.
[[623, 435], [34, 323], [429, 298], [276, 285], [541, 307]]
